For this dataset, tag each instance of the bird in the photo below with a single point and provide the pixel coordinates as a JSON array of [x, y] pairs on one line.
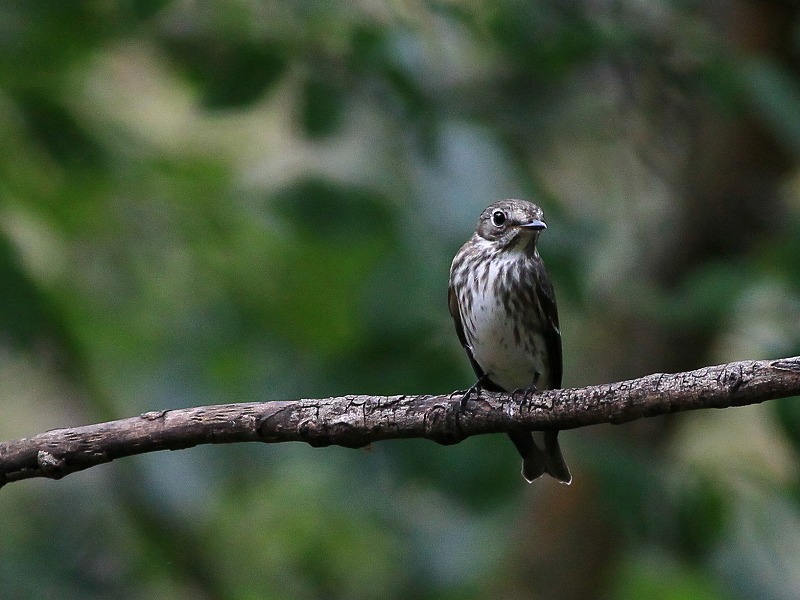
[[504, 309]]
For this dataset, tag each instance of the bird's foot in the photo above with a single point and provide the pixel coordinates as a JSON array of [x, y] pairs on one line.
[[524, 395], [473, 388], [527, 392]]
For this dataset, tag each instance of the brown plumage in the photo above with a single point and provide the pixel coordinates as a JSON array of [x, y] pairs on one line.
[[502, 302]]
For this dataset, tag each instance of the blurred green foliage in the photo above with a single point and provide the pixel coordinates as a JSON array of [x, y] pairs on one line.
[[231, 201]]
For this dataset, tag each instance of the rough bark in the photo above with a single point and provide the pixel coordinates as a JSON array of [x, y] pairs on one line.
[[358, 420]]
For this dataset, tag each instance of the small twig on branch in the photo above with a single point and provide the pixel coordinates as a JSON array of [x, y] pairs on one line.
[[356, 421]]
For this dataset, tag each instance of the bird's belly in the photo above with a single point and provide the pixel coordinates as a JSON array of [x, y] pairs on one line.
[[511, 359]]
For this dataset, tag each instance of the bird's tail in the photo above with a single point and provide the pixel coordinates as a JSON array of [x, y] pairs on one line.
[[536, 462], [554, 462]]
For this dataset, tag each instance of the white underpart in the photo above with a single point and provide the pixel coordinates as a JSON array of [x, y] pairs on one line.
[[490, 334]]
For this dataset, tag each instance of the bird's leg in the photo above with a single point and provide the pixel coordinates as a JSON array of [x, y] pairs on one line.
[[529, 391], [473, 388]]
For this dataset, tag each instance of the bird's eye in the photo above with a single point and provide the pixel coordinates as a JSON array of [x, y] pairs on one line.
[[498, 218]]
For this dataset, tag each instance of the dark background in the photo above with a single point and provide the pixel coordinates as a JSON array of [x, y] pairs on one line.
[[209, 202]]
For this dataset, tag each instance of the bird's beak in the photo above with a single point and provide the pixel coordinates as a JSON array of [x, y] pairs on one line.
[[535, 225]]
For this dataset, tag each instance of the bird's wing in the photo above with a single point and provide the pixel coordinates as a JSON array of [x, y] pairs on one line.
[[452, 303], [551, 331]]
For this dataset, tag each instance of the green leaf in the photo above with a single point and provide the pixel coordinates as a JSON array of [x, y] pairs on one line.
[[58, 132], [322, 107], [229, 74]]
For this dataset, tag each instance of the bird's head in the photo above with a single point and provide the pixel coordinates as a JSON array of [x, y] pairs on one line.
[[511, 223]]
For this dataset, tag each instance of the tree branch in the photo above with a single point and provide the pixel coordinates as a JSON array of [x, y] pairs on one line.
[[355, 421]]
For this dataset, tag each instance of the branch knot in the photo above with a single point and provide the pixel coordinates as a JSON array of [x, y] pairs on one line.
[[50, 464]]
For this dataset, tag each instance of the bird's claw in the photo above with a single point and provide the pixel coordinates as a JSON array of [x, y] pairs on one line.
[[527, 393], [473, 388], [465, 397]]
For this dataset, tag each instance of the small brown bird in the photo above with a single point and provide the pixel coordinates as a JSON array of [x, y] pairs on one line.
[[504, 309]]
